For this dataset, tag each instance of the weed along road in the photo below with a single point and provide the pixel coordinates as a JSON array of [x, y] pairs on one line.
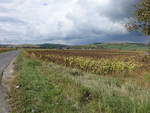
[[5, 59]]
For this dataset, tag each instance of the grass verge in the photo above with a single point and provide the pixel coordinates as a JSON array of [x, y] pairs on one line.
[[42, 87]]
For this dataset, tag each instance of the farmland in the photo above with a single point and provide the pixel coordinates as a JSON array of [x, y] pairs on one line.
[[100, 62], [119, 46], [81, 81]]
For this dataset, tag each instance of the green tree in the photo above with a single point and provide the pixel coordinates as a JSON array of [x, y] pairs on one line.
[[141, 20]]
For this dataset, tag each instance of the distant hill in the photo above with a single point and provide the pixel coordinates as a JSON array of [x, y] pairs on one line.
[[42, 46], [27, 46], [53, 46], [6, 46], [121, 46]]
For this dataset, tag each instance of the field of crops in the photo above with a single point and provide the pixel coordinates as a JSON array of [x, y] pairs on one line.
[[95, 61], [5, 49]]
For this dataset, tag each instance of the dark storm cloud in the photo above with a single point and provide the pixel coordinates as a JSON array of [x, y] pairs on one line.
[[120, 9]]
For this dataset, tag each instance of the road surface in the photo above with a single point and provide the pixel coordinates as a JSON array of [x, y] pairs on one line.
[[5, 59]]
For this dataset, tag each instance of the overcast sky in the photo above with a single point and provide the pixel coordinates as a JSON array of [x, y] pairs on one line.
[[66, 21]]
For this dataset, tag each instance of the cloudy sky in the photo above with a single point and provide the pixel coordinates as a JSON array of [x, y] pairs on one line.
[[66, 21]]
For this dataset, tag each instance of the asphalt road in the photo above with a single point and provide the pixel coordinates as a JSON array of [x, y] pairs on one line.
[[5, 60]]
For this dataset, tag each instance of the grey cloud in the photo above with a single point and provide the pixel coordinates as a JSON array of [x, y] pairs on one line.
[[2, 10], [65, 21], [6, 1], [120, 9], [11, 20], [107, 38]]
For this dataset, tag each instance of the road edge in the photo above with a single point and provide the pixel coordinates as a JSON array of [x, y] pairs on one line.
[[7, 77]]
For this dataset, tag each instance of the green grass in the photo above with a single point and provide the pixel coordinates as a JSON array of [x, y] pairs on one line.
[[126, 46], [120, 46], [50, 88]]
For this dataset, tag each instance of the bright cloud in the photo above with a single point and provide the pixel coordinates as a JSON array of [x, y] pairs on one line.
[[63, 21]]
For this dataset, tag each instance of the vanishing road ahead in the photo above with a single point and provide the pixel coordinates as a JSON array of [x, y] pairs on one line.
[[5, 60]]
